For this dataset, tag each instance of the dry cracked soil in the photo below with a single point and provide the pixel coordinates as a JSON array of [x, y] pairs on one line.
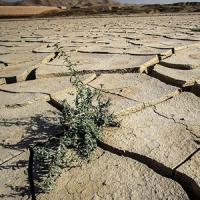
[[149, 67]]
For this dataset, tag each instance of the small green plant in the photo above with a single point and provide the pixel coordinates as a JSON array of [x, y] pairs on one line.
[[197, 29], [82, 124]]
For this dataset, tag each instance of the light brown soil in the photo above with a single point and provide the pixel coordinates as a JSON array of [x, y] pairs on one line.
[[24, 10]]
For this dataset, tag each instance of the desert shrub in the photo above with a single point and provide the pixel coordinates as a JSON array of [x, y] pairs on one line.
[[82, 125], [196, 29]]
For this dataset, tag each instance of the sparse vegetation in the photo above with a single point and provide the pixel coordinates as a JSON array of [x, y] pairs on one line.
[[82, 124], [197, 29]]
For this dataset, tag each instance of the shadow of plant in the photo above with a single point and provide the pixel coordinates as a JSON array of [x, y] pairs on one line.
[[18, 188], [37, 129], [18, 191]]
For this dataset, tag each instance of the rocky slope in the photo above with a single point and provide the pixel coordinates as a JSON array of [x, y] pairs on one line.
[[68, 3], [2, 3]]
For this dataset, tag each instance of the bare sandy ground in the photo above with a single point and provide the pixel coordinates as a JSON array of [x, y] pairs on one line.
[[24, 10]]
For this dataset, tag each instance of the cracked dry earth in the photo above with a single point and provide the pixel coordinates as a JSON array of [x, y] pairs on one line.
[[150, 68]]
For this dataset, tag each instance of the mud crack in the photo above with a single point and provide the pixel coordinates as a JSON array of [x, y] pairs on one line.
[[177, 122], [192, 190], [30, 173]]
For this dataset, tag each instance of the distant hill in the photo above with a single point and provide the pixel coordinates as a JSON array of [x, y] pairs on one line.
[[2, 3], [98, 3], [67, 3], [183, 7]]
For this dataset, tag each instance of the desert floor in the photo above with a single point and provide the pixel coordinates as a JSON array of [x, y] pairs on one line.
[[149, 67]]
